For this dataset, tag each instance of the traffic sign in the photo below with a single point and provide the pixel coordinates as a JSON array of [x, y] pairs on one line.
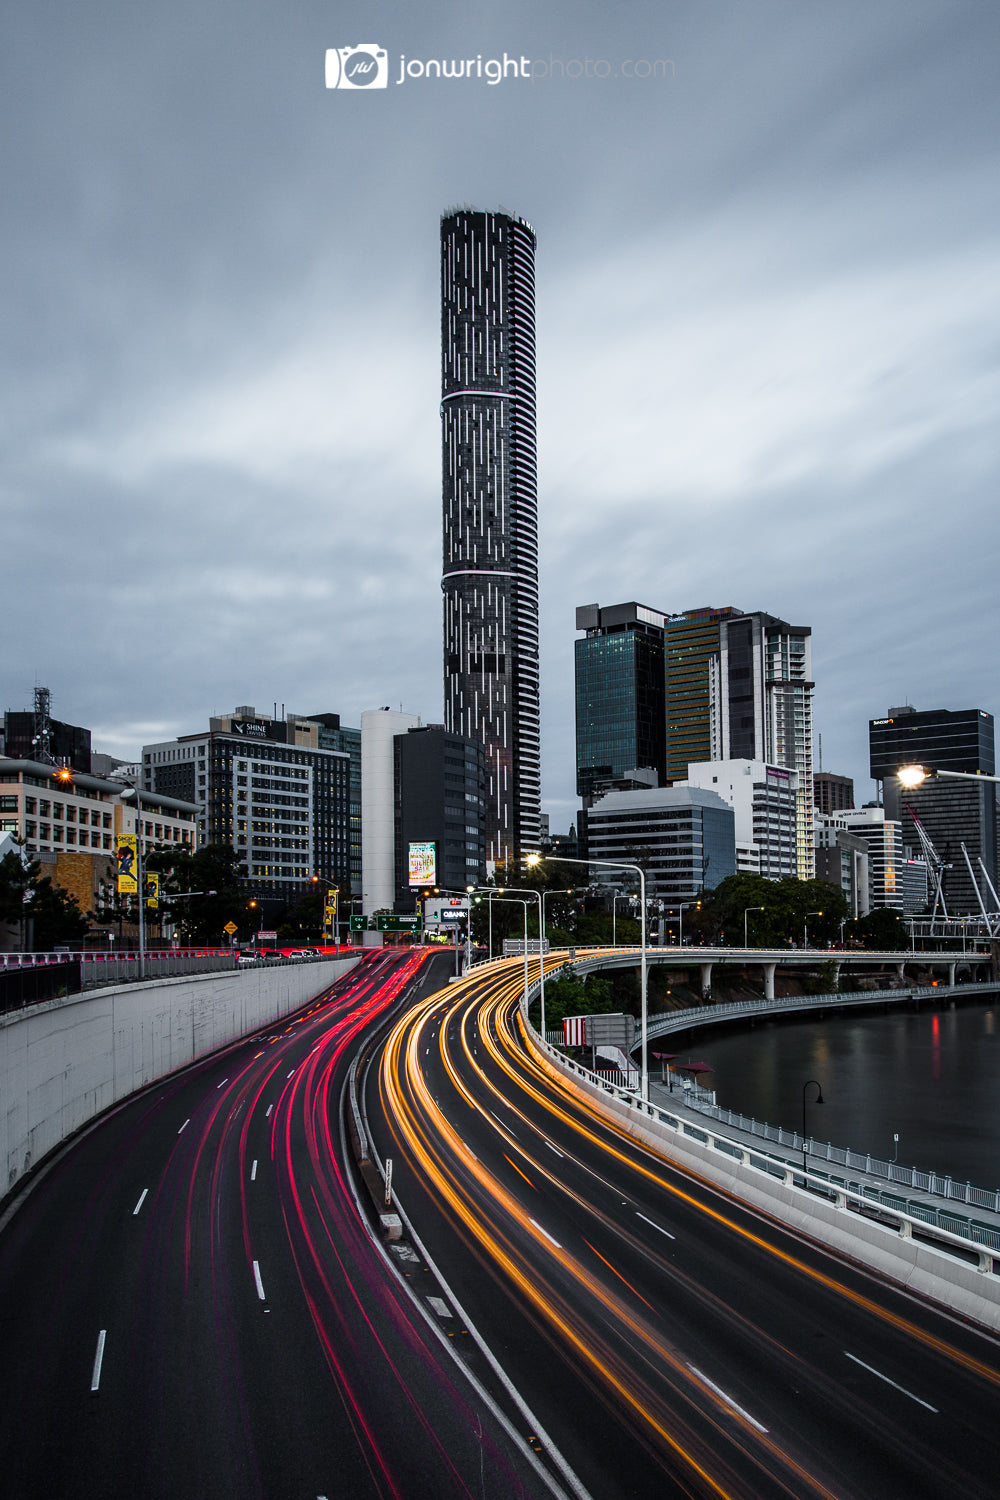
[[230, 928], [360, 924], [390, 923]]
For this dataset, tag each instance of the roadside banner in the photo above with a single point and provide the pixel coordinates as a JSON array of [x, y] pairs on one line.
[[126, 861]]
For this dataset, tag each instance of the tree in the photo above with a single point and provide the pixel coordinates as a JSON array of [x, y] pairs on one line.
[[777, 912], [572, 994], [215, 868], [17, 880], [55, 914], [881, 931], [303, 921]]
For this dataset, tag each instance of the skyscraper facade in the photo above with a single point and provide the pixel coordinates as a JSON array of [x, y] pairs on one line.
[[761, 693], [691, 642], [959, 817], [490, 513], [619, 694]]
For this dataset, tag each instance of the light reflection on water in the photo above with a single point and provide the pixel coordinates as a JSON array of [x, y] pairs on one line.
[[931, 1077]]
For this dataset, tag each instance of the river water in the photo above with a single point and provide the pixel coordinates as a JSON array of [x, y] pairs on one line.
[[932, 1077]]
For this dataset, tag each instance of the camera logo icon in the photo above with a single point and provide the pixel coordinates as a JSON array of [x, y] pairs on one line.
[[365, 66]]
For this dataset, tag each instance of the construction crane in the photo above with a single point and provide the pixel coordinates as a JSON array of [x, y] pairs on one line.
[[935, 864]]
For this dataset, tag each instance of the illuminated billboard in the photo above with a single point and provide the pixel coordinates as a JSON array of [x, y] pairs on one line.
[[423, 864]]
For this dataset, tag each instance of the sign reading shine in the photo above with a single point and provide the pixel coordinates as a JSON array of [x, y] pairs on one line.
[[423, 863]]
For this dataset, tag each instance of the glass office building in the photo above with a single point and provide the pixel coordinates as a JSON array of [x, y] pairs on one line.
[[620, 724]]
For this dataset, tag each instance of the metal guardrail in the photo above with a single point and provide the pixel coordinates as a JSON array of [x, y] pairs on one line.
[[938, 1185], [120, 970], [953, 1231]]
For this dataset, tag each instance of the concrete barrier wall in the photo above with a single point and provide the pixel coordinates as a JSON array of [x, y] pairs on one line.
[[933, 1273], [64, 1061]]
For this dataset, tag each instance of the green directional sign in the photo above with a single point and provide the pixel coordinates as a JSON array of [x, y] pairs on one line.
[[386, 922], [389, 923]]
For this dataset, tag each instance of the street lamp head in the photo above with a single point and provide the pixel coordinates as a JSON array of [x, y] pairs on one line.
[[531, 860], [911, 776]]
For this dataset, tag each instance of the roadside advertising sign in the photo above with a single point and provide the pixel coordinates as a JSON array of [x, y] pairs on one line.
[[423, 863], [126, 861]]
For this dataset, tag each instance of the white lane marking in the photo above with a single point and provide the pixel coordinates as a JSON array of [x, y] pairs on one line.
[[655, 1226], [260, 1284], [187, 1122], [95, 1379], [253, 1171], [546, 1234], [292, 1073], [552, 1148], [724, 1395], [269, 1109], [219, 1085], [441, 1307], [901, 1388], [142, 1196]]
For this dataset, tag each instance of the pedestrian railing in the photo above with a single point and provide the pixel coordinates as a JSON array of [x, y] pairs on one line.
[[691, 1017], [938, 1185], [957, 1232]]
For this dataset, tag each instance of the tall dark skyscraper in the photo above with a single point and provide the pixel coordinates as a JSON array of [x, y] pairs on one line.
[[490, 505], [952, 812]]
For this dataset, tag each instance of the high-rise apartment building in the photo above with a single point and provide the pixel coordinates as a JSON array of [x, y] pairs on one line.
[[490, 512], [271, 791], [894, 878], [620, 723], [760, 691], [764, 802]]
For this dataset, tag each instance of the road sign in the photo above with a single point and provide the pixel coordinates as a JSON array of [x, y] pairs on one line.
[[360, 924], [230, 928], [389, 923]]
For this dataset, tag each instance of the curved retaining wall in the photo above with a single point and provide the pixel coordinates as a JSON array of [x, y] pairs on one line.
[[64, 1061]]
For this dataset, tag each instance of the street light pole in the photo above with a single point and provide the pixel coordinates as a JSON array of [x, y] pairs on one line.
[[818, 1100], [614, 864], [126, 796], [746, 911], [517, 901], [529, 891], [805, 926]]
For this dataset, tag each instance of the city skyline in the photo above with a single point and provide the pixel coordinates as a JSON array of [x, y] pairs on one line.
[[764, 292]]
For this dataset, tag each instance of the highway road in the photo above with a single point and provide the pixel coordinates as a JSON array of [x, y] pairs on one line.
[[192, 1302], [669, 1340]]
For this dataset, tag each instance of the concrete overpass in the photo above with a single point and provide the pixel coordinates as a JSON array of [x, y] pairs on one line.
[[769, 961]]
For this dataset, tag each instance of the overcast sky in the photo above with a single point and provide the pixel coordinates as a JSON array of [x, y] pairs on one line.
[[767, 345]]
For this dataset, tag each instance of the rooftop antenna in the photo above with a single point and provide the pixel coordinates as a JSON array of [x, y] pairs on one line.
[[42, 740]]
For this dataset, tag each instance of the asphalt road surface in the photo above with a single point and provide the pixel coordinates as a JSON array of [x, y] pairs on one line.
[[668, 1340], [193, 1303]]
